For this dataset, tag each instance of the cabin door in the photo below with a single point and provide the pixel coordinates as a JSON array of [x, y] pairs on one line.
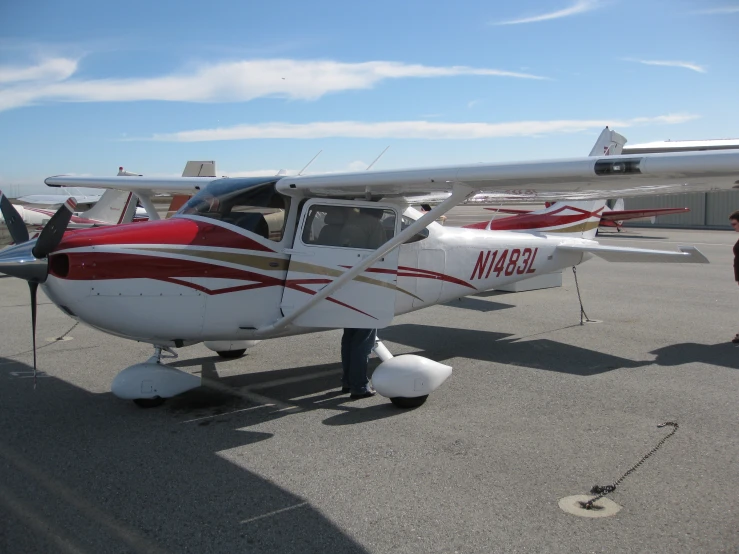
[[332, 237]]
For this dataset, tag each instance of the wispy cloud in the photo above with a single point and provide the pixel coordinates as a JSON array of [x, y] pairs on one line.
[[581, 6], [473, 103], [239, 81], [409, 129], [52, 69], [670, 63], [718, 10]]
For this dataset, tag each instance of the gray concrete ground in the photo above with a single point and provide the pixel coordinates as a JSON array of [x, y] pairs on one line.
[[271, 458]]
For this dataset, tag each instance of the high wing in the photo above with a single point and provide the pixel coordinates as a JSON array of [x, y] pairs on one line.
[[58, 199], [173, 185], [196, 175], [623, 215], [537, 181]]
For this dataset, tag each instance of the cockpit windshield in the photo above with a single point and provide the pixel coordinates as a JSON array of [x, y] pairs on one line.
[[252, 204]]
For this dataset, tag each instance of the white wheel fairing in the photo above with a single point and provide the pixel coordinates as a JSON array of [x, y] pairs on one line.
[[151, 380], [409, 376]]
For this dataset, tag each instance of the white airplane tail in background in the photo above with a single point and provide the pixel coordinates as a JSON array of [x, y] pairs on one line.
[[192, 169], [114, 207], [609, 143]]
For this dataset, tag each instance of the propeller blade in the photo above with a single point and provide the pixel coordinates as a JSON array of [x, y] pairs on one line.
[[53, 232], [33, 286], [14, 221]]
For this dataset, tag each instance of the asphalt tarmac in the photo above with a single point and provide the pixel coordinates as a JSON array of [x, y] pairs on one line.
[[270, 457]]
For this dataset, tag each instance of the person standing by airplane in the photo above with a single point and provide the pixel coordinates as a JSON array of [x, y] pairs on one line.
[[734, 221], [362, 230]]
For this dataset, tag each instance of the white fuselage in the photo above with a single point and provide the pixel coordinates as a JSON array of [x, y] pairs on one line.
[[177, 294]]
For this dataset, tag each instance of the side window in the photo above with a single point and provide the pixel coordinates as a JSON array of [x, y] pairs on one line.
[[348, 227], [260, 210]]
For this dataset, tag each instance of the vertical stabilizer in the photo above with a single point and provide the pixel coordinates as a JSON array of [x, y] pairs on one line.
[[609, 143], [192, 169], [114, 207], [200, 169]]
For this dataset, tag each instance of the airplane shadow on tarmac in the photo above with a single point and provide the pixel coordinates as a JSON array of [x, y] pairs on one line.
[[293, 386], [477, 303], [86, 472], [441, 343], [724, 354]]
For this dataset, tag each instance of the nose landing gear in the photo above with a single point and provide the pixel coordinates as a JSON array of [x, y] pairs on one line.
[[148, 384]]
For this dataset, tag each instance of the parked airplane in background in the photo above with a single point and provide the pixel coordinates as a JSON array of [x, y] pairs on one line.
[[113, 208], [84, 201], [546, 219], [217, 272]]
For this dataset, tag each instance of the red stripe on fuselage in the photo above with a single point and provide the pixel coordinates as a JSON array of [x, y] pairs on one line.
[[428, 274], [95, 266], [172, 231]]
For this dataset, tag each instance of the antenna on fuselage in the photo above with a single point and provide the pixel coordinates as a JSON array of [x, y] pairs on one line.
[[310, 162], [377, 158]]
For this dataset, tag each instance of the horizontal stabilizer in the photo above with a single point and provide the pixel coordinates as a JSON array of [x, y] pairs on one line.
[[686, 255]]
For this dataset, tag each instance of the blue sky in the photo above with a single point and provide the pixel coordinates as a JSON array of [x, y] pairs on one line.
[[87, 86]]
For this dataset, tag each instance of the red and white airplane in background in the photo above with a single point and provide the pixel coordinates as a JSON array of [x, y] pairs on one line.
[[82, 198], [113, 207], [248, 259], [546, 218]]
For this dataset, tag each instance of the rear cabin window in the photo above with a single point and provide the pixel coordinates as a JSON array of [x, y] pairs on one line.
[[348, 227], [406, 222]]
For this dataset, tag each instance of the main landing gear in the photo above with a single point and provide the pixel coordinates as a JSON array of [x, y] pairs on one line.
[[148, 384], [407, 380]]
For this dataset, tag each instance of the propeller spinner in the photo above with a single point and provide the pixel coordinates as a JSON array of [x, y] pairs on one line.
[[28, 258]]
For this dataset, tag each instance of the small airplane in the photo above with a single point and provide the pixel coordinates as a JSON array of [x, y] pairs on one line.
[[81, 198], [242, 260], [547, 219], [114, 207]]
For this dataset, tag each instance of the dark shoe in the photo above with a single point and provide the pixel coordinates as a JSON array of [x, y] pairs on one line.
[[344, 390], [367, 394], [735, 339]]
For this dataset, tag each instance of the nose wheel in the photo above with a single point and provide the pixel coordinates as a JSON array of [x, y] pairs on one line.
[[405, 403], [229, 354], [149, 402], [148, 384]]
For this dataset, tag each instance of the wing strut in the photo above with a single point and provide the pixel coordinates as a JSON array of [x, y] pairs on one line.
[[460, 191], [148, 205]]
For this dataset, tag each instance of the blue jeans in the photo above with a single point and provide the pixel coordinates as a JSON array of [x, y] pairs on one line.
[[356, 345]]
